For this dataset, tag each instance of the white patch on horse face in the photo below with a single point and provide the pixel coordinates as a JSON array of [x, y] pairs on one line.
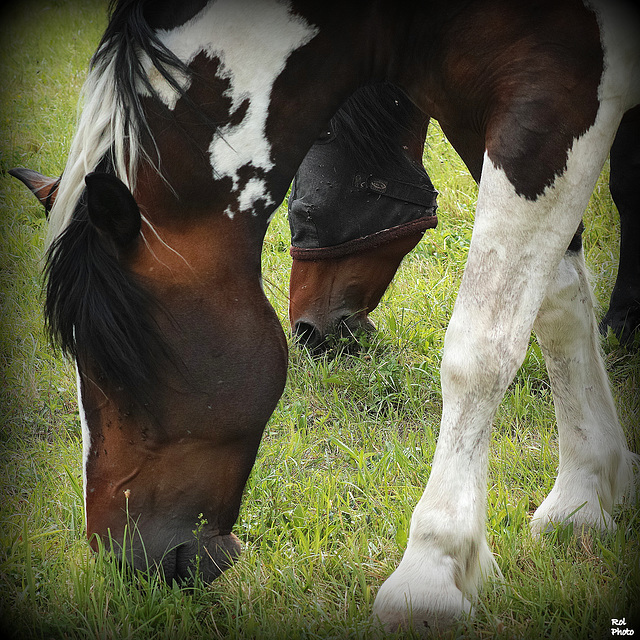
[[252, 40]]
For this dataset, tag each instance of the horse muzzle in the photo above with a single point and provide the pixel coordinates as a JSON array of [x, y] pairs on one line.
[[319, 333], [206, 558], [199, 556]]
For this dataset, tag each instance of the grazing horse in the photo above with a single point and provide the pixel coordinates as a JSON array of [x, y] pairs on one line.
[[339, 280], [196, 118], [360, 201]]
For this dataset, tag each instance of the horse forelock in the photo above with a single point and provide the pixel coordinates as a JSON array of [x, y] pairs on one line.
[[112, 120], [95, 310], [101, 130], [373, 121], [98, 313]]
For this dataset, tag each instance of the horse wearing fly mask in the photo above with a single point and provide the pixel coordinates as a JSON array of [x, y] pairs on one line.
[[195, 122], [360, 201]]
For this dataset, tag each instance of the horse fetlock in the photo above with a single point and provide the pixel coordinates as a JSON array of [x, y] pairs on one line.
[[571, 505], [585, 499]]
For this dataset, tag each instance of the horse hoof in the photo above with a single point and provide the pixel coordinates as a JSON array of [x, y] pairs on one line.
[[549, 517], [625, 325], [428, 607]]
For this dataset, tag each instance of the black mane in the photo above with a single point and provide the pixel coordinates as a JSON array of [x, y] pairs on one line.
[[127, 37], [95, 310]]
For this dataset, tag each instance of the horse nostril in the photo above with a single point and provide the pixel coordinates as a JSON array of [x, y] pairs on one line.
[[307, 334]]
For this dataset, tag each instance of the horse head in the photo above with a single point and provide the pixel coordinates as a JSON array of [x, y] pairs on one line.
[[361, 200], [183, 151], [153, 284], [180, 363]]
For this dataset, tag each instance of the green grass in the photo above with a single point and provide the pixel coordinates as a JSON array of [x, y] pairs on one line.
[[344, 458]]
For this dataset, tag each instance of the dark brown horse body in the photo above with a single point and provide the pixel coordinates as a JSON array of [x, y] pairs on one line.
[[195, 121]]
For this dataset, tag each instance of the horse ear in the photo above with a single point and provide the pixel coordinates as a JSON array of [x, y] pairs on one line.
[[42, 187], [112, 208]]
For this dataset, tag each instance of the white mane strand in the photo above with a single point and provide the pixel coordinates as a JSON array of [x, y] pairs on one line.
[[103, 128]]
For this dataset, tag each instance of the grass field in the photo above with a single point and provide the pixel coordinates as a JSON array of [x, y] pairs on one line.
[[344, 458]]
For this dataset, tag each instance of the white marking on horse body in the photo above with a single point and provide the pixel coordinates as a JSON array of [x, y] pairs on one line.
[[86, 441], [619, 28], [241, 35], [163, 90], [253, 41], [253, 191]]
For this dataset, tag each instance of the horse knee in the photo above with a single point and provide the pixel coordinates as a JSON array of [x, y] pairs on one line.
[[484, 367]]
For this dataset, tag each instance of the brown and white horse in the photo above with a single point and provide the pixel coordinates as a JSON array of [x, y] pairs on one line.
[[196, 119]]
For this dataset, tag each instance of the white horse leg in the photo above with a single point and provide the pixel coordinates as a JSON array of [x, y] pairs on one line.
[[595, 464], [501, 291], [515, 251]]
